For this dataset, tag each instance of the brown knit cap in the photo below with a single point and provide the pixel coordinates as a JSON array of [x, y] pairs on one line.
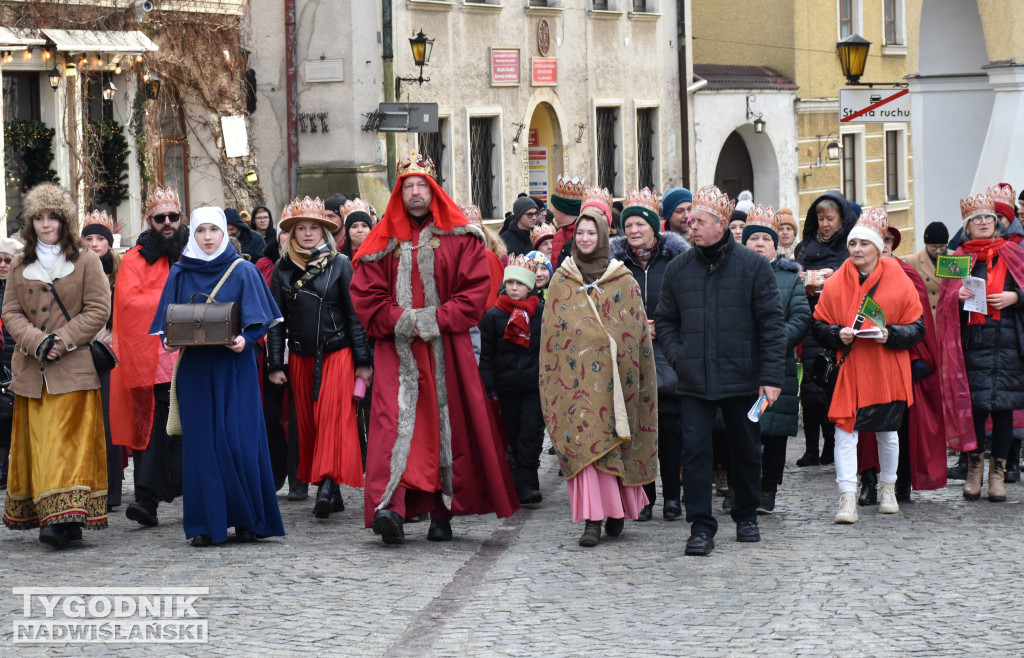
[[785, 216]]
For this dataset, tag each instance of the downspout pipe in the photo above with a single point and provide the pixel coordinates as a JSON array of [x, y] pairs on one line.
[[292, 98], [390, 139]]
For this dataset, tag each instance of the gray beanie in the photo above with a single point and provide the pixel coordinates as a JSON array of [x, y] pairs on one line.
[[522, 205]]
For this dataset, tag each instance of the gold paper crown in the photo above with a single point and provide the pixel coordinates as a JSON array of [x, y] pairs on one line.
[[571, 189], [644, 198], [978, 204], [540, 232], [306, 209], [1004, 200], [472, 213], [710, 200], [416, 163], [354, 205], [162, 200], [762, 216], [519, 261], [598, 194], [99, 217], [875, 219]]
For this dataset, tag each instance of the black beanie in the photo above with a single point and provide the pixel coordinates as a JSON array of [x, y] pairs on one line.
[[98, 229], [357, 216], [522, 205], [334, 203], [936, 233], [737, 216]]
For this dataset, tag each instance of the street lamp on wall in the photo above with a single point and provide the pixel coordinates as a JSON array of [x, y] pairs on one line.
[[109, 90], [421, 49], [853, 57], [55, 77], [759, 122]]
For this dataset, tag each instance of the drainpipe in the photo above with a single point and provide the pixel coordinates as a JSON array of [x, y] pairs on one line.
[[684, 94], [390, 139], [291, 97]]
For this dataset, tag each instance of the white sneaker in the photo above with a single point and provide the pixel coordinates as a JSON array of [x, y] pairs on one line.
[[847, 508], [887, 498]]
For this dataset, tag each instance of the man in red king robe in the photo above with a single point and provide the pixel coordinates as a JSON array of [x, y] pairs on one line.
[[421, 282]]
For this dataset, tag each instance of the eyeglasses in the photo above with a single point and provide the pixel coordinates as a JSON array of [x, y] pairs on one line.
[[983, 219], [163, 218], [6, 261], [530, 213]]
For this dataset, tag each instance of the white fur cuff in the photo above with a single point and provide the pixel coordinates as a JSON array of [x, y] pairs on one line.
[[405, 324], [426, 323]]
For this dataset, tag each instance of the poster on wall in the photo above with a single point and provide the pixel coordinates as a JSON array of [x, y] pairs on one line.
[[538, 162]]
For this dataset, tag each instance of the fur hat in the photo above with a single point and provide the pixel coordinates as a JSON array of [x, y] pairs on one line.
[[52, 198], [785, 216]]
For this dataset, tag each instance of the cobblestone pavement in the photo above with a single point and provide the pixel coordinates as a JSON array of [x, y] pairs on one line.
[[939, 578]]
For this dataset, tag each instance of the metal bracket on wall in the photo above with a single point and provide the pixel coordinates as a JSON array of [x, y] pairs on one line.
[[309, 122]]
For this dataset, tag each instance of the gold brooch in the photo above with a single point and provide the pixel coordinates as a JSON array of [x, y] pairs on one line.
[[397, 253], [435, 242]]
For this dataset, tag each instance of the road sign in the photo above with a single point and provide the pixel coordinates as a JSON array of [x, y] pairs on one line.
[[408, 118], [874, 105]]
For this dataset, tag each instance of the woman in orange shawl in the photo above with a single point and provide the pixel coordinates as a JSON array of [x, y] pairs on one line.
[[874, 385]]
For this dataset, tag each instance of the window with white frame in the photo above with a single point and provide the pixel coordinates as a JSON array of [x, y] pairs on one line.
[[895, 163], [893, 23], [485, 165], [647, 147], [608, 148], [849, 18]]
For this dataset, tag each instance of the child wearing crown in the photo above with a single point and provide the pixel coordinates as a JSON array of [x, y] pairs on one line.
[[510, 366]]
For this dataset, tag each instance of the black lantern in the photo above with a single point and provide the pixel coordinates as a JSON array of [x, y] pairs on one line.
[[421, 49], [55, 77], [832, 151], [759, 125], [853, 56], [152, 86], [109, 90], [759, 122]]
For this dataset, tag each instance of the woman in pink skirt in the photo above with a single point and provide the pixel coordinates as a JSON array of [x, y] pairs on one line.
[[598, 385]]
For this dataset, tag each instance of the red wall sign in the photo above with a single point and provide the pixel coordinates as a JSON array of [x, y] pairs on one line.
[[504, 66], [544, 72]]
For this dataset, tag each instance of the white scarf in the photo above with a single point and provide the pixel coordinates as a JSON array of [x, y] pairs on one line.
[[206, 215], [47, 254]]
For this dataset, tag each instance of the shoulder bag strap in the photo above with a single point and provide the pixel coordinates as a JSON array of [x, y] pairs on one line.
[[857, 323], [56, 298], [211, 297]]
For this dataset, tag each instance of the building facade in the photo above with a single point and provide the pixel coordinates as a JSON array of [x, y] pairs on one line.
[[525, 92]]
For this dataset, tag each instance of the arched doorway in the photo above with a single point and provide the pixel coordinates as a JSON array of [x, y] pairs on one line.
[[544, 150], [734, 172]]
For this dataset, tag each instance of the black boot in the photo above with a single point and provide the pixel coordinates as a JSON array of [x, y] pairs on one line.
[[809, 458], [143, 512], [903, 489], [1013, 463], [868, 484], [337, 503], [958, 472], [322, 507], [828, 451]]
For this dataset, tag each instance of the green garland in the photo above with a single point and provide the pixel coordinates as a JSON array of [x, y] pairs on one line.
[[111, 186], [28, 152], [137, 127]]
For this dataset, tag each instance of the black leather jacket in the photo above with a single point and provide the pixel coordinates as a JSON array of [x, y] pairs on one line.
[[318, 317]]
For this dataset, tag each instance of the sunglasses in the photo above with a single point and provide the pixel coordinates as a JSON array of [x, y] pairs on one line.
[[163, 218], [6, 261]]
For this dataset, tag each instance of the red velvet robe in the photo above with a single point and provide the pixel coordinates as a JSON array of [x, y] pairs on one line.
[[927, 429], [481, 478]]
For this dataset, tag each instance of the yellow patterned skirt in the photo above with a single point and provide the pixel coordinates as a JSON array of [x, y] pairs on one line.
[[58, 468]]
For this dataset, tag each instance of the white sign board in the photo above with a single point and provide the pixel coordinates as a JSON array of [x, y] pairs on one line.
[[236, 140], [874, 105], [538, 158], [323, 70]]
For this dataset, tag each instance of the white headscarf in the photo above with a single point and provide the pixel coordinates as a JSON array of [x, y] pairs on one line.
[[206, 215]]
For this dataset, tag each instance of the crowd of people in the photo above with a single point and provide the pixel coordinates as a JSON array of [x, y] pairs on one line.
[[424, 358]]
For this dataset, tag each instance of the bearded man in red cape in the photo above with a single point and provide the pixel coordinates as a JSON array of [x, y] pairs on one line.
[[140, 386], [421, 282]]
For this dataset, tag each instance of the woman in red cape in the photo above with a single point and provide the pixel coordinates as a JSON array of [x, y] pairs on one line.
[[980, 356]]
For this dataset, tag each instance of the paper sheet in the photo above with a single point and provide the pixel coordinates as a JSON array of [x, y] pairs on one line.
[[976, 304]]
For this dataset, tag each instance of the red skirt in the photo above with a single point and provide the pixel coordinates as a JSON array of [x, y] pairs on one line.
[[328, 430]]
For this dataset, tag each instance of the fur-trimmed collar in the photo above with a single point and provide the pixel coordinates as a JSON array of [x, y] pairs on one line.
[[788, 265], [670, 245], [468, 229], [36, 272]]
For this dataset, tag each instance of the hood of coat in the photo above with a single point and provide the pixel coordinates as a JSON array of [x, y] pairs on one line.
[[811, 221], [670, 245]]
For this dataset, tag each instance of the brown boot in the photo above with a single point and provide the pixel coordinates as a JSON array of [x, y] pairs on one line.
[[996, 479], [591, 534], [975, 469]]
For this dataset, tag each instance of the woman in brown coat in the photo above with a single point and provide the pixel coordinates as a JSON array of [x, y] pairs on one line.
[[58, 474]]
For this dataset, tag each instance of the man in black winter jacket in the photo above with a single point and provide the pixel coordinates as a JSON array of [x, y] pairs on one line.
[[721, 327], [516, 232]]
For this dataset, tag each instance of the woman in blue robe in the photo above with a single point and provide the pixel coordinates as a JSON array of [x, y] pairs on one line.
[[227, 478]]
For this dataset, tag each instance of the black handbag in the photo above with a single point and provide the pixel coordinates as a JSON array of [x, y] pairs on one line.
[[6, 397], [103, 358], [825, 370]]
